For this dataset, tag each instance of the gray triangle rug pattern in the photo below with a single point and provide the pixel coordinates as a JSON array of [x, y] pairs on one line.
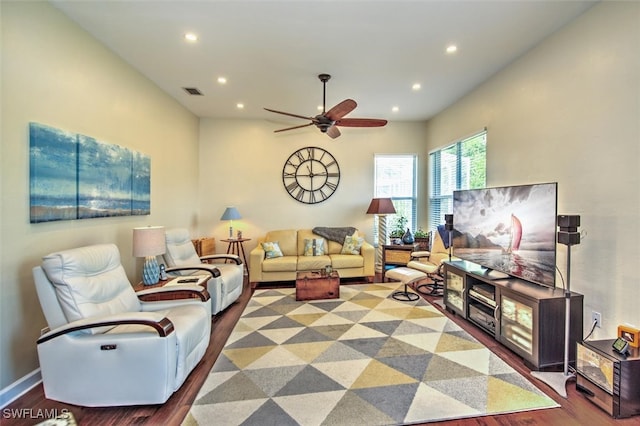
[[362, 359]]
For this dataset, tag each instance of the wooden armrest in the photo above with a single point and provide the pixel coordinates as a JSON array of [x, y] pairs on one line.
[[157, 294], [215, 272], [233, 257], [163, 326]]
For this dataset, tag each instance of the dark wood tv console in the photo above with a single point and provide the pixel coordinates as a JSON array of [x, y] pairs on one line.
[[527, 318]]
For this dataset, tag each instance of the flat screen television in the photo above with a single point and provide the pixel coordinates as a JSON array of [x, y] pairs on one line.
[[510, 229]]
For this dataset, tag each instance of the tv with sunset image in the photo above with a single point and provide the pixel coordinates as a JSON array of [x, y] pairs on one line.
[[509, 229]]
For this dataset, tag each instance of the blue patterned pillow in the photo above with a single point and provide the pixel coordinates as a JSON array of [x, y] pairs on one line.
[[313, 247], [271, 250], [352, 245]]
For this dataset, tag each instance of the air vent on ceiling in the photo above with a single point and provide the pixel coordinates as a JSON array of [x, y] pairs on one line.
[[192, 91]]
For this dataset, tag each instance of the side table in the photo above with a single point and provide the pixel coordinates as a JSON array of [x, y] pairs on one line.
[[397, 255], [201, 280], [204, 246], [236, 246]]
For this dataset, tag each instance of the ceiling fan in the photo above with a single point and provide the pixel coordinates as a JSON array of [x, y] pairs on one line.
[[329, 121]]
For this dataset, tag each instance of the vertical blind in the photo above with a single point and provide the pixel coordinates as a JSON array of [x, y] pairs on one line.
[[462, 165]]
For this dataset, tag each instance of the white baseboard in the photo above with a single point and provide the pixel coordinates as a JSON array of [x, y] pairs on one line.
[[18, 388]]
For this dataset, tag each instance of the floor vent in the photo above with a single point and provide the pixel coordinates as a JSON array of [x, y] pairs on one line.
[[192, 91]]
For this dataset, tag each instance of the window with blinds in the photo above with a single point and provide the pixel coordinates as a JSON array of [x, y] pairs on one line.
[[395, 178], [462, 165]]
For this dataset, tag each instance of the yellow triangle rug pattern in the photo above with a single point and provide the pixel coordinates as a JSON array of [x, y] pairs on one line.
[[362, 359]]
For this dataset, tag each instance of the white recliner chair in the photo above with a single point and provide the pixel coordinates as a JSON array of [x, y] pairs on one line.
[[105, 347], [226, 284]]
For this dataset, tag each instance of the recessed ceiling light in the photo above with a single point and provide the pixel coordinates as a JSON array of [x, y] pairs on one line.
[[240, 105], [191, 37], [452, 48], [320, 108], [222, 80], [416, 86], [395, 109]]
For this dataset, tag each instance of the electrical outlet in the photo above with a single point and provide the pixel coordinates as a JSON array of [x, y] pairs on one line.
[[595, 317]]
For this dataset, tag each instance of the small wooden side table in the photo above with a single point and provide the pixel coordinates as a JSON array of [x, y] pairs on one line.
[[204, 246], [397, 255], [236, 247], [177, 294]]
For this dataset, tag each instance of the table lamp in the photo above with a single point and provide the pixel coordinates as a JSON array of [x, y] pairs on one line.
[[148, 242], [230, 214], [381, 207]]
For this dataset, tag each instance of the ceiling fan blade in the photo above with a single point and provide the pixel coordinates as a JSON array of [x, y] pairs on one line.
[[360, 122], [294, 127], [333, 132], [289, 114], [340, 110]]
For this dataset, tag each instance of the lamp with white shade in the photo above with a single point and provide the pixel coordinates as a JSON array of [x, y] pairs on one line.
[[381, 207], [231, 214], [149, 242]]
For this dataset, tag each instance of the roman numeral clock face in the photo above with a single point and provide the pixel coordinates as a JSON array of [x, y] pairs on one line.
[[311, 175]]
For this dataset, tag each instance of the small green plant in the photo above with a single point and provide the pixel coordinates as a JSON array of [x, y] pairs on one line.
[[399, 227], [420, 233]]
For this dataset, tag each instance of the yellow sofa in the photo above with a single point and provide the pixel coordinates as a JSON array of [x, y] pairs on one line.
[[292, 244]]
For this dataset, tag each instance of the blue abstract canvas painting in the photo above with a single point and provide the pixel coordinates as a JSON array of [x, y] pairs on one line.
[[104, 177], [74, 176], [141, 189]]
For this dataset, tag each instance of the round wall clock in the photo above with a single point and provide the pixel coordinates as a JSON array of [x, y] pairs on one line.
[[311, 175]]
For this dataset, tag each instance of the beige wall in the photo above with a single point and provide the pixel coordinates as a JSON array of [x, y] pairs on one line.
[[248, 159], [569, 111], [54, 73]]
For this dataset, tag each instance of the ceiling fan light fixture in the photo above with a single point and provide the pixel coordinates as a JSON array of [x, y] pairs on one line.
[[328, 121]]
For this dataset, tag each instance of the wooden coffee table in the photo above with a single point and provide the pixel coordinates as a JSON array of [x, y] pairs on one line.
[[313, 285]]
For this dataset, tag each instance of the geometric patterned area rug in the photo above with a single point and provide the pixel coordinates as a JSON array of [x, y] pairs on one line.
[[362, 359]]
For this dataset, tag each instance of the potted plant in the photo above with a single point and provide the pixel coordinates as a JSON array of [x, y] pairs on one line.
[[422, 237], [398, 230]]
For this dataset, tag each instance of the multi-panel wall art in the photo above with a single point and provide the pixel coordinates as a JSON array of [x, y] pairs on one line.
[[73, 176]]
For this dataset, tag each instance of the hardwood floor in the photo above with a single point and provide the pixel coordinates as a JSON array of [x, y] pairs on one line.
[[575, 410]]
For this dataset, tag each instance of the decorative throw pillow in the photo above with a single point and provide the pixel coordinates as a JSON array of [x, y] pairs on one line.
[[271, 250], [313, 247], [352, 245]]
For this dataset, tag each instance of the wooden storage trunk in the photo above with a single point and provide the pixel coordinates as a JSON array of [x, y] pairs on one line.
[[312, 285]]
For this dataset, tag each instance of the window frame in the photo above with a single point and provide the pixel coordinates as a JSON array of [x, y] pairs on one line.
[[379, 192], [463, 176]]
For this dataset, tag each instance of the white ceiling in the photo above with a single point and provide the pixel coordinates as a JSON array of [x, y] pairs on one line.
[[272, 51]]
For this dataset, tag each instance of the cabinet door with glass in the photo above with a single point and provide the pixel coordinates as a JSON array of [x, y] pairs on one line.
[[518, 325], [454, 290]]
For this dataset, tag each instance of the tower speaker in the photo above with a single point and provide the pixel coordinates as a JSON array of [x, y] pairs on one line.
[[569, 221], [568, 233], [448, 222]]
